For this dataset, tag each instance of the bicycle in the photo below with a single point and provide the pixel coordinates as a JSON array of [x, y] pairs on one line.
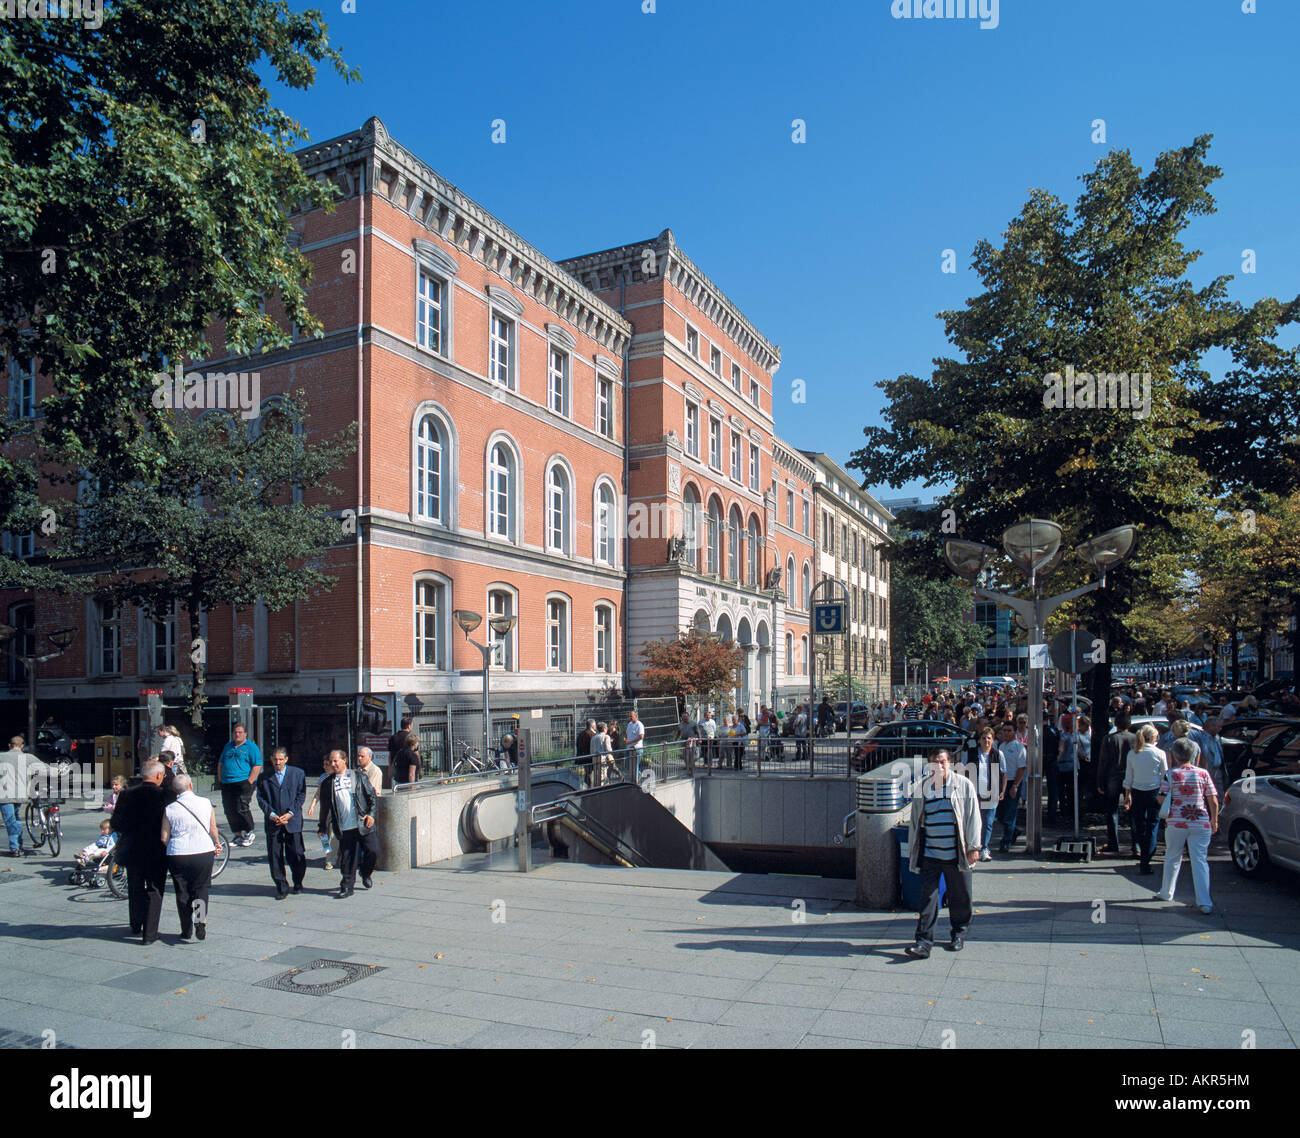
[[42, 822], [115, 871], [471, 762]]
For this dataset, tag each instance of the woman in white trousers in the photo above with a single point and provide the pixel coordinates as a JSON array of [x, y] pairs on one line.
[[1193, 817]]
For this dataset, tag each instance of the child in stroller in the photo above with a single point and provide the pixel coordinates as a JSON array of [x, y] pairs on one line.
[[92, 861]]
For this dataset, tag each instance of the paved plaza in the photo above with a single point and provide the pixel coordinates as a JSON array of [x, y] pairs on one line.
[[464, 955]]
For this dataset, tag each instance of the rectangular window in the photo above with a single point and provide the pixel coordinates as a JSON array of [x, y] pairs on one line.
[[789, 506], [735, 376], [692, 342], [735, 455], [604, 640], [605, 407], [715, 444], [715, 361], [163, 643], [844, 542], [753, 466], [110, 638], [428, 623], [556, 633], [22, 388], [692, 430], [559, 382], [429, 313], [501, 351], [807, 518], [753, 392], [20, 545]]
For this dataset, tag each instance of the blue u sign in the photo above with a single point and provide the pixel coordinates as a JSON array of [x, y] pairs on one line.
[[828, 619]]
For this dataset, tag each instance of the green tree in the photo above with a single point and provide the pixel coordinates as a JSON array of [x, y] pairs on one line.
[[223, 524], [144, 180], [931, 618], [1102, 290]]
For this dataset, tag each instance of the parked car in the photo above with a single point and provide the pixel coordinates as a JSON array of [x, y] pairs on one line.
[[53, 744], [886, 742], [1272, 689], [861, 714], [1263, 827], [1266, 745]]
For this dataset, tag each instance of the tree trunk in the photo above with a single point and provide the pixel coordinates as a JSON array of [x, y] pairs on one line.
[[198, 667], [1235, 658], [1214, 662]]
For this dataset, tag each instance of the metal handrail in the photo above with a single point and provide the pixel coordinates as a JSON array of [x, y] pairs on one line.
[[598, 832]]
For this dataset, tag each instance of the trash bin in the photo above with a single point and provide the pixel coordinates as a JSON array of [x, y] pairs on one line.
[[911, 882]]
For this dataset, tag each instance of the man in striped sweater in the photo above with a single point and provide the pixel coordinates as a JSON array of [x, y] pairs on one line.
[[944, 839]]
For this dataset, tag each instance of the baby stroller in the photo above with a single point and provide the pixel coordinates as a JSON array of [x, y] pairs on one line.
[[108, 871]]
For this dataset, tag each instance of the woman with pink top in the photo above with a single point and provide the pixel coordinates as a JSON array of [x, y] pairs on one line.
[[1193, 818]]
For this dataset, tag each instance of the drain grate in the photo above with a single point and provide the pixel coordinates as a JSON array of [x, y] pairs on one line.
[[301, 979]]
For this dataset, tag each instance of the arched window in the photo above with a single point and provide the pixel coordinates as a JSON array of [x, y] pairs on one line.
[[715, 536], [734, 531], [807, 586], [700, 622], [692, 521], [604, 638], [789, 653], [605, 552], [501, 489], [432, 609], [559, 504], [751, 553], [501, 602], [803, 655], [789, 576], [430, 471]]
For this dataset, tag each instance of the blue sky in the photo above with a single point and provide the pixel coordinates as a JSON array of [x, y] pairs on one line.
[[922, 135]]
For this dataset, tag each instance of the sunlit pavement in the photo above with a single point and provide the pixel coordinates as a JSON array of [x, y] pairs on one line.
[[1058, 955]]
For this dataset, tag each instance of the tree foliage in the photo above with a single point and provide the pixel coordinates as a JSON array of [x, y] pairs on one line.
[[691, 665], [221, 525], [145, 180], [930, 618]]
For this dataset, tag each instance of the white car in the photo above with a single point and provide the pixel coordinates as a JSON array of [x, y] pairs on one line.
[[1261, 817]]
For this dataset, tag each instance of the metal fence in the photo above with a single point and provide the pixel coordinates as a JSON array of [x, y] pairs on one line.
[[554, 730]]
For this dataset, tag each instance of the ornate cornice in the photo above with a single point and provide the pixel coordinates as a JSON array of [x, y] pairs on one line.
[[408, 184], [661, 258]]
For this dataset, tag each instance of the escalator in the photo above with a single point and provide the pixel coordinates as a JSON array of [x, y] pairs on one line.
[[621, 825]]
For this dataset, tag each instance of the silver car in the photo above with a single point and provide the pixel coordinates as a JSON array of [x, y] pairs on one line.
[[1263, 823]]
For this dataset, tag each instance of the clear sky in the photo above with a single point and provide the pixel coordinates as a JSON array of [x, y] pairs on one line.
[[921, 135]]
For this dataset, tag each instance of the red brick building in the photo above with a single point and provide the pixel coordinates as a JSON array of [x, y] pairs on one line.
[[588, 446]]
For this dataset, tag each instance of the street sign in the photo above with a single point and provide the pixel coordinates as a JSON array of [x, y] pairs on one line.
[[1037, 656], [1076, 650], [828, 618]]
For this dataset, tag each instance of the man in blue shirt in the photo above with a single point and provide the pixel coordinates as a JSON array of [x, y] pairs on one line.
[[238, 770]]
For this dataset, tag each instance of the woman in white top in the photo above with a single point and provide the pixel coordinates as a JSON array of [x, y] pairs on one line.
[[171, 744], [189, 829], [1143, 771]]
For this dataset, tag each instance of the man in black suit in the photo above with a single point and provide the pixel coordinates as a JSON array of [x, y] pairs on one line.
[[347, 806], [137, 819], [280, 793]]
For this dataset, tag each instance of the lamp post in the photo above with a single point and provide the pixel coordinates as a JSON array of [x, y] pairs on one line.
[[62, 639], [501, 625], [1034, 547]]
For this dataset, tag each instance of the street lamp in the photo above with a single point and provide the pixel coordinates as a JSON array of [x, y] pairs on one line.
[[501, 625], [1034, 547], [61, 639]]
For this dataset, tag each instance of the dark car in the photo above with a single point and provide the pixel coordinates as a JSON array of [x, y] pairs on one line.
[[861, 714], [889, 741], [1264, 745], [53, 745]]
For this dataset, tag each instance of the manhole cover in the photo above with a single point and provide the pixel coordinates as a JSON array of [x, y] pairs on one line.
[[320, 977]]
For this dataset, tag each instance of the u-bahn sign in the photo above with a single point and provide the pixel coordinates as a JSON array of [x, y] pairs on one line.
[[828, 618]]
